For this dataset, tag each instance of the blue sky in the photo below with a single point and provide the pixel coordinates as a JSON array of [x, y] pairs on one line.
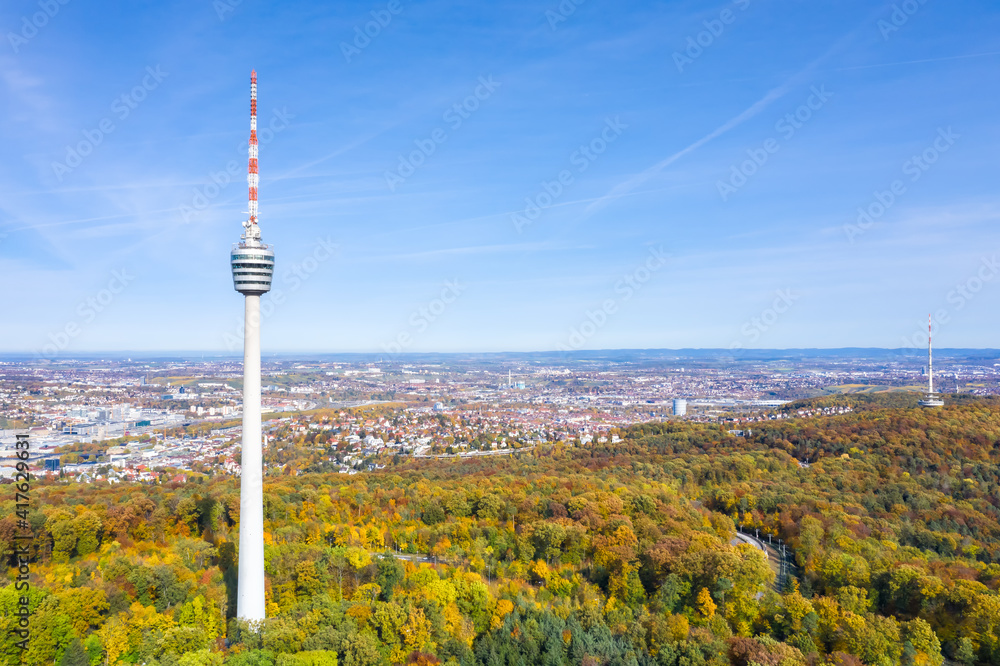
[[614, 175]]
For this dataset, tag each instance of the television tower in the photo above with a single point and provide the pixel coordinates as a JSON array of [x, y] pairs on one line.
[[253, 265], [931, 399]]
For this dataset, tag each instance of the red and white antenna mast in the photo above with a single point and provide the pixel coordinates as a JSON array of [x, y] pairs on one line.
[[252, 232], [931, 399]]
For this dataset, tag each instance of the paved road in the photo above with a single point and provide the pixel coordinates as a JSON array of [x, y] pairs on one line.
[[411, 557], [771, 552], [756, 543]]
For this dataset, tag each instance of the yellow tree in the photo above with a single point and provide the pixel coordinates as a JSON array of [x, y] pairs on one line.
[[198, 613], [358, 558], [416, 631], [706, 607], [85, 607], [503, 608], [114, 638]]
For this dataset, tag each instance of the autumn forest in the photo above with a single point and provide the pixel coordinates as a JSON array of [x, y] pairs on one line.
[[617, 553]]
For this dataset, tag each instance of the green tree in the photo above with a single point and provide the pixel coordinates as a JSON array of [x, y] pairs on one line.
[[61, 527], [489, 507], [361, 649], [965, 653], [200, 658], [308, 658], [75, 654], [252, 658], [390, 574], [51, 633], [925, 643], [88, 528]]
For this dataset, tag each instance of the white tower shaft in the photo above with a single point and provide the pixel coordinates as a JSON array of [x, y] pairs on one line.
[[250, 596], [930, 359]]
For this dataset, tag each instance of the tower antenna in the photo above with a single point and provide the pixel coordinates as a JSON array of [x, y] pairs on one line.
[[930, 356], [931, 399], [251, 230]]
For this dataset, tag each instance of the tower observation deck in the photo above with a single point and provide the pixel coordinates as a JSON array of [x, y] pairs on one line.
[[253, 266]]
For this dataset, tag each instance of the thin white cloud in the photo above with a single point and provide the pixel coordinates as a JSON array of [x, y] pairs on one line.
[[27, 101], [340, 151], [626, 186], [918, 62], [480, 249], [754, 109]]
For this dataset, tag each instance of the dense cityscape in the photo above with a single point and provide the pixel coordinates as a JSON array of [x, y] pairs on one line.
[[157, 419]]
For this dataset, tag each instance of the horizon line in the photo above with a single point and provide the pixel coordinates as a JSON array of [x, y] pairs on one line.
[[390, 355]]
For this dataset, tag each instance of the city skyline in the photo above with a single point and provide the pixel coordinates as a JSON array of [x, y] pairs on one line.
[[500, 178]]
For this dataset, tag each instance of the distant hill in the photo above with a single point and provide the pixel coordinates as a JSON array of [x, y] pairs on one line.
[[605, 355]]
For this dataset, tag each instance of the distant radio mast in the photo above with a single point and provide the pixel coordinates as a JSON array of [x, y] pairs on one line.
[[253, 265], [931, 399]]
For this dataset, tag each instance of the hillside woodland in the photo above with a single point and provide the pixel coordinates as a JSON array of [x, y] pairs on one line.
[[618, 553]]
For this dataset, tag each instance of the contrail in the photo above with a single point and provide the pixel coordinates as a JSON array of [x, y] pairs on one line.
[[635, 181], [638, 179]]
